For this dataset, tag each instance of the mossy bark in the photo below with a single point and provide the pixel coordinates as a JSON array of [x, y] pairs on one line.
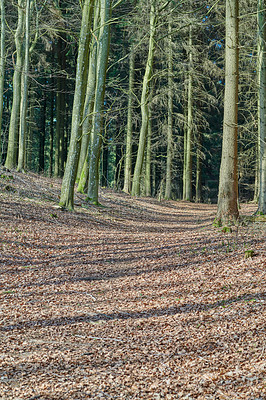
[[170, 150], [12, 149], [144, 104], [97, 120], [24, 93], [82, 172], [262, 105], [2, 65], [67, 189], [228, 182], [129, 134]]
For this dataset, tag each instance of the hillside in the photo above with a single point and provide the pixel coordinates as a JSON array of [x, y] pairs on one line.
[[136, 299]]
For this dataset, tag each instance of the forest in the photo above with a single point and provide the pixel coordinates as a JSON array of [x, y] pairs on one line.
[[133, 96], [132, 199]]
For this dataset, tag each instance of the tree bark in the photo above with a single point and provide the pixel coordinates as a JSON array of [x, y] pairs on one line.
[[42, 136], [82, 172], [2, 66], [12, 149], [144, 104], [147, 179], [198, 168], [169, 158], [187, 195], [67, 189], [51, 141], [262, 105], [228, 183], [60, 107], [24, 93], [97, 120], [129, 134]]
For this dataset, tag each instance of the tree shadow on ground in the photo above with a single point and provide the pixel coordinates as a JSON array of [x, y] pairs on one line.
[[150, 313]]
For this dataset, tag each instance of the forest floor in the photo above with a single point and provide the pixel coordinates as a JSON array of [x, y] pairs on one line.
[[137, 299]]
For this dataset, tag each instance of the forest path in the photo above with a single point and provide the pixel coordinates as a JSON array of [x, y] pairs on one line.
[[138, 299]]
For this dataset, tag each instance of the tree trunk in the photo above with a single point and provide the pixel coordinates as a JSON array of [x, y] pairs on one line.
[[105, 165], [128, 156], [198, 169], [187, 195], [67, 189], [42, 136], [24, 93], [97, 120], [11, 158], [82, 172], [168, 182], [147, 178], [60, 107], [2, 66], [228, 185], [144, 104], [262, 105], [51, 142]]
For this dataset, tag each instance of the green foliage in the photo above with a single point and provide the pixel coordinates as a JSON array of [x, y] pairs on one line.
[[249, 253], [7, 177], [217, 223], [227, 229]]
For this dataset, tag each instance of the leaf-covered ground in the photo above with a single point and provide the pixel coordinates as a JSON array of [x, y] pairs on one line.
[[138, 299]]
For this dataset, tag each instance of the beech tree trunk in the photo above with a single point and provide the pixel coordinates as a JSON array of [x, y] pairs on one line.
[[128, 156], [60, 108], [144, 104], [83, 168], [2, 66], [199, 168], [12, 149], [97, 120], [187, 194], [228, 183], [168, 182], [24, 93], [67, 189], [262, 105], [147, 178]]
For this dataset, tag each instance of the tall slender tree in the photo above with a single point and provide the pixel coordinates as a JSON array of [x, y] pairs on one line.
[[129, 133], [97, 119], [145, 101], [228, 183], [187, 184], [170, 150], [67, 189], [262, 104], [12, 150], [24, 91], [2, 66]]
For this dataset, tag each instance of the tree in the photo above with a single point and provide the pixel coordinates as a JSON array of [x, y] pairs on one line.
[[228, 184], [2, 66], [169, 159], [97, 119], [12, 150], [67, 189], [145, 101], [24, 91], [262, 104], [128, 155]]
